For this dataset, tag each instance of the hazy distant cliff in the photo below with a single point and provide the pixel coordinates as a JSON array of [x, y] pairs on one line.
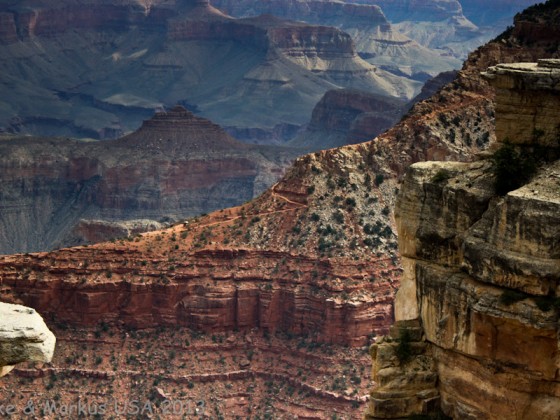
[[177, 165], [129, 58]]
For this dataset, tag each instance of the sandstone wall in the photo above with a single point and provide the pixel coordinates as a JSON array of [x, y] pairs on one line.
[[469, 251], [527, 97], [481, 274]]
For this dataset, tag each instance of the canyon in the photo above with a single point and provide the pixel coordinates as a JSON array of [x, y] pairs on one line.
[[130, 59], [269, 308], [59, 192]]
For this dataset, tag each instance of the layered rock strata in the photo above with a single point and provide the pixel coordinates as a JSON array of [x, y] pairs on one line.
[[176, 165], [101, 84], [482, 271], [375, 39], [522, 118], [23, 337]]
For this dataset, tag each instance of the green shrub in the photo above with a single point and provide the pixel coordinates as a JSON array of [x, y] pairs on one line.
[[338, 217], [509, 297], [441, 176], [512, 169], [404, 349]]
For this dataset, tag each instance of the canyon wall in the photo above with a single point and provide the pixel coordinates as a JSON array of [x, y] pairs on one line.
[[246, 74], [177, 165], [481, 275]]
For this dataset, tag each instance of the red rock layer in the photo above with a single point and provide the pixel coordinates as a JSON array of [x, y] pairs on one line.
[[208, 290]]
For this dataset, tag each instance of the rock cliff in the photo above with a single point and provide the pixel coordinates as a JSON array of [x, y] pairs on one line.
[[480, 275], [176, 165], [23, 337], [130, 58], [375, 38], [346, 117]]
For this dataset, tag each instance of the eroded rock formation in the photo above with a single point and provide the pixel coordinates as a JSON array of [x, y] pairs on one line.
[[199, 56], [176, 165], [23, 337], [522, 118], [482, 271], [348, 116]]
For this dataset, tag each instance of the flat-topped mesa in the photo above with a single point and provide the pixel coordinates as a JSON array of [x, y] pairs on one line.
[[23, 337], [527, 102]]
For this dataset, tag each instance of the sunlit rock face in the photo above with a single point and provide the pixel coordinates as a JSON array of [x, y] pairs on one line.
[[23, 337], [482, 270]]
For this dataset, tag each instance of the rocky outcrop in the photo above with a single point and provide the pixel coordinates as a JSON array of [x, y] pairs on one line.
[[177, 165], [481, 271], [405, 374], [23, 337], [526, 96]]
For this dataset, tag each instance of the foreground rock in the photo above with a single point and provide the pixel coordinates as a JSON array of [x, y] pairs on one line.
[[23, 337], [482, 271]]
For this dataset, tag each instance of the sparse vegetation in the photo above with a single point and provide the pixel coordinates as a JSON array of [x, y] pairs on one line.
[[404, 349], [441, 176], [512, 168]]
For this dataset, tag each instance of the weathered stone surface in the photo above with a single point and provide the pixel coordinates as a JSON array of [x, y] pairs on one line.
[[464, 249], [23, 337], [495, 350], [528, 97], [443, 200], [515, 244], [403, 386]]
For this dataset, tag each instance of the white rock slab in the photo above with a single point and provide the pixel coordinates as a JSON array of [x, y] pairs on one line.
[[24, 336]]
